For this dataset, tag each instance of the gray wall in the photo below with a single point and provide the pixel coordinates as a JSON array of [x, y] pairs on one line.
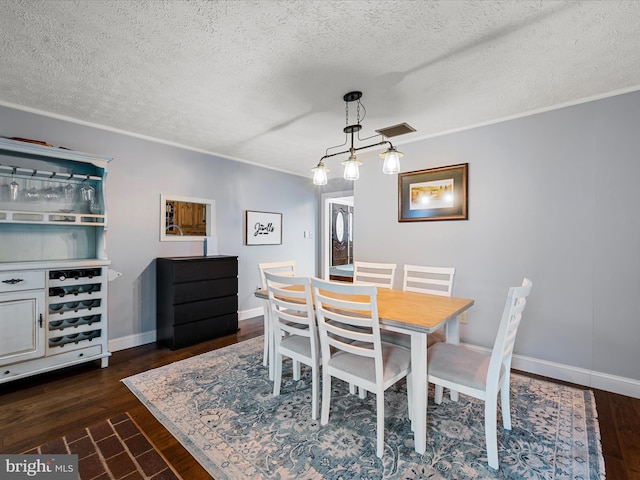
[[140, 171], [554, 197]]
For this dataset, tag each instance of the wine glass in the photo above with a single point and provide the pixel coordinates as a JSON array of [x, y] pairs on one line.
[[87, 192], [51, 193], [14, 188]]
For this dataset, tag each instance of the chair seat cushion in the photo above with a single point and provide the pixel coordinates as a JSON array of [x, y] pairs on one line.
[[394, 358], [458, 364], [297, 344], [404, 340]]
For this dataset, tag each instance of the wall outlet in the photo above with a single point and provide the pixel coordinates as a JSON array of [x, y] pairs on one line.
[[462, 318]]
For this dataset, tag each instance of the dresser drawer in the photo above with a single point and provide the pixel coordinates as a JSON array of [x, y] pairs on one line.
[[206, 329], [195, 291], [21, 280], [191, 271], [215, 307]]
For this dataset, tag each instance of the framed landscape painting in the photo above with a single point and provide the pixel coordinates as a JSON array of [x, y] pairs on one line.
[[433, 194], [263, 228]]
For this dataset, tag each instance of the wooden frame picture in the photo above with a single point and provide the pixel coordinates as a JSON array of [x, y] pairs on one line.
[[263, 228], [433, 194]]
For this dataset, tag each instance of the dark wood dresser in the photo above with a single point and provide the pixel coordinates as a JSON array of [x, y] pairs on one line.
[[196, 298]]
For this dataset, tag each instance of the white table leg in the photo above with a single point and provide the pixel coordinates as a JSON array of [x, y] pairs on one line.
[[452, 331], [419, 378]]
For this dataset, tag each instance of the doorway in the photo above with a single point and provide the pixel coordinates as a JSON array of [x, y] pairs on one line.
[[338, 238]]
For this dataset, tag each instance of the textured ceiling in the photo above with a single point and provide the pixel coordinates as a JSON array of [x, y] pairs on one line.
[[262, 81]]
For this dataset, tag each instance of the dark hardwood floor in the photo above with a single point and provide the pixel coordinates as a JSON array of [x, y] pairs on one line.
[[39, 409]]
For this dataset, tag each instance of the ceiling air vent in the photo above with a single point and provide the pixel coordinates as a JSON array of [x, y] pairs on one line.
[[396, 130]]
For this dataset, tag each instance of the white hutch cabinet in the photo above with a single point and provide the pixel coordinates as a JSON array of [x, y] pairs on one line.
[[53, 259]]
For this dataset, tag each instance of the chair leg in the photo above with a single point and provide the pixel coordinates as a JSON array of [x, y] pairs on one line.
[[326, 396], [410, 399], [505, 403], [491, 435], [315, 386], [379, 423], [438, 394], [352, 389], [362, 393], [296, 370], [277, 374], [267, 338]]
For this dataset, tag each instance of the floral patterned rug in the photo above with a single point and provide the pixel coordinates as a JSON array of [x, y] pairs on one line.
[[220, 406]]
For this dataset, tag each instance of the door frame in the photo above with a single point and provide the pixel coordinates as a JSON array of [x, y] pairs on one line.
[[344, 198]]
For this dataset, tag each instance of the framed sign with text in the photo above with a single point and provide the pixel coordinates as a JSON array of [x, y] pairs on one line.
[[263, 228]]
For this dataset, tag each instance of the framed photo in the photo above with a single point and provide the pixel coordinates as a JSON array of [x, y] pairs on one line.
[[263, 228], [433, 194]]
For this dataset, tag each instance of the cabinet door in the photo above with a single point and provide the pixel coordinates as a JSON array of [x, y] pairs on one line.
[[21, 327]]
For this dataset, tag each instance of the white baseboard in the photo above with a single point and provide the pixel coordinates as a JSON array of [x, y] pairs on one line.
[[131, 341], [252, 313], [579, 376], [558, 371]]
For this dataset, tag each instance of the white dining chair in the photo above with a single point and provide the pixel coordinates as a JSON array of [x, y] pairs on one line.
[[351, 348], [432, 280], [482, 374], [378, 274], [284, 268], [424, 279], [295, 331]]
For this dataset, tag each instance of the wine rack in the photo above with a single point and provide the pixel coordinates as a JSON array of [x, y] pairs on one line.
[[75, 308]]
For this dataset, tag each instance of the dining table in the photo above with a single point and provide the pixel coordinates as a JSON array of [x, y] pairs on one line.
[[417, 315]]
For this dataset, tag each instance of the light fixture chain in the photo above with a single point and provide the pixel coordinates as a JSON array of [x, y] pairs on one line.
[[358, 112], [346, 113]]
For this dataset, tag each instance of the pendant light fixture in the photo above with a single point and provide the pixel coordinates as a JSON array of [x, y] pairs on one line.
[[390, 165]]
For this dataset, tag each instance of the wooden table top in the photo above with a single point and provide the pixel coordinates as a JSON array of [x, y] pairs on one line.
[[413, 311]]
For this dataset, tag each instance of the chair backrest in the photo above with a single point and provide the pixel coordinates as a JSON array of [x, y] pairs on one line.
[[500, 362], [433, 280], [378, 274], [286, 268], [292, 308], [348, 313]]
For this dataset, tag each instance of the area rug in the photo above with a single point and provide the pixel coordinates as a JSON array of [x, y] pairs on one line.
[[112, 449], [220, 406]]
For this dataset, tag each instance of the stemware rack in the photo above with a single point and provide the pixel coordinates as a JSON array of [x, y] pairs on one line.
[[49, 197]]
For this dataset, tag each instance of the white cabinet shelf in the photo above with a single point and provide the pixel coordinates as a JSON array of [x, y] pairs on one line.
[[44, 218]]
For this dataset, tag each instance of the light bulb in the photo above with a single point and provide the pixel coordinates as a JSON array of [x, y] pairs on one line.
[[391, 164], [351, 168], [320, 174]]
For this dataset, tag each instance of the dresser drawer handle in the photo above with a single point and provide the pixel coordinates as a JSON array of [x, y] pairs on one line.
[[13, 281]]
